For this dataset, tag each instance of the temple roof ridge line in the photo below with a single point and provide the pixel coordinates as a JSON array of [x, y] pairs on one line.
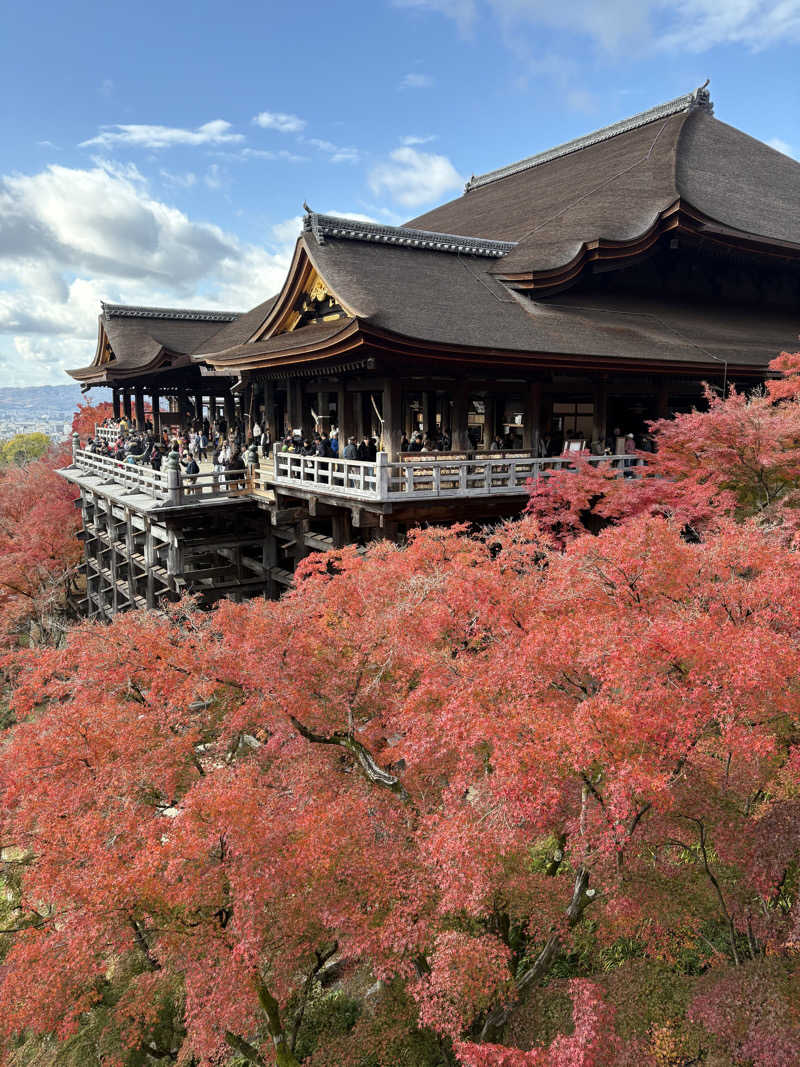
[[131, 311], [699, 99], [322, 226]]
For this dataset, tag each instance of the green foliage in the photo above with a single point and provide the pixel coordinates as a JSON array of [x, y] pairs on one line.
[[331, 1015], [101, 1037], [23, 448]]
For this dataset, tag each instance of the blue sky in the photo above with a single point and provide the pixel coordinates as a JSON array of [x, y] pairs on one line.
[[160, 153]]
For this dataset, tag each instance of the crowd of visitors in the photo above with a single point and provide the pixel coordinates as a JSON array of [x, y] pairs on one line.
[[199, 440]]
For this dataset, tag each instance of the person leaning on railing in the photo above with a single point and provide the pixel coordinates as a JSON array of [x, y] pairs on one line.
[[235, 471]]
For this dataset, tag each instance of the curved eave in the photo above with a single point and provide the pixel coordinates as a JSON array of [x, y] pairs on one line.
[[358, 334], [113, 373], [679, 217], [513, 359], [343, 340]]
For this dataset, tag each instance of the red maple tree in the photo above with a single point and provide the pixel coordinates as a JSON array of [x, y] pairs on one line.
[[456, 766], [88, 416], [38, 551]]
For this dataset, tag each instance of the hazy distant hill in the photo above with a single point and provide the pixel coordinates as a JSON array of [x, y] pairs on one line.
[[49, 402], [41, 409]]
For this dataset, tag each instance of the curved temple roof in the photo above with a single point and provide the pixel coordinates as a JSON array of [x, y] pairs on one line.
[[620, 185], [446, 280]]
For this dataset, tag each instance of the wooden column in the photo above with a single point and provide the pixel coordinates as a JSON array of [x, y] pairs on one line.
[[139, 407], [230, 410], [270, 424], [295, 397], [489, 420], [429, 412], [532, 425], [126, 404], [155, 403], [344, 416], [115, 403], [662, 399], [458, 416], [182, 405], [600, 415], [198, 406], [392, 417]]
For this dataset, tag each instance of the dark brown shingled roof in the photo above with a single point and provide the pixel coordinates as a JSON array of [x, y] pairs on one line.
[[454, 300], [314, 335], [140, 335], [616, 188], [238, 331]]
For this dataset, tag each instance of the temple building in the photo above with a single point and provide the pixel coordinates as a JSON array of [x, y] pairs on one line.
[[559, 302]]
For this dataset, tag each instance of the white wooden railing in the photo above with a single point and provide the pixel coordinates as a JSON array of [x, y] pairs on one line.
[[169, 487], [109, 434], [141, 479], [425, 477]]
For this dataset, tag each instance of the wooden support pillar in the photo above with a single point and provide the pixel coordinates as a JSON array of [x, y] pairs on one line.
[[269, 559], [198, 406], [182, 405], [600, 416], [345, 416], [174, 561], [230, 410], [392, 421], [126, 404], [270, 423], [150, 562], [155, 403], [295, 397], [532, 422], [115, 403], [341, 528], [429, 412], [459, 410], [662, 399], [129, 550], [489, 420], [139, 392]]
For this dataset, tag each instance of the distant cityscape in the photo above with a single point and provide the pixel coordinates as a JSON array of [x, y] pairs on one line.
[[40, 409]]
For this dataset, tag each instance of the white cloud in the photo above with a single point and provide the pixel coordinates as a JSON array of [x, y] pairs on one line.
[[278, 120], [463, 12], [265, 153], [413, 178], [216, 132], [782, 146], [412, 139], [671, 25], [182, 181], [214, 177], [701, 24], [337, 153], [71, 237], [415, 81]]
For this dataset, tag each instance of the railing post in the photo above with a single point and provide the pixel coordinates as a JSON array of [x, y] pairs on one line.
[[174, 491], [382, 475], [76, 444], [251, 462]]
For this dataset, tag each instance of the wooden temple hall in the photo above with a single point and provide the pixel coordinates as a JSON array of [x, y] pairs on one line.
[[559, 303]]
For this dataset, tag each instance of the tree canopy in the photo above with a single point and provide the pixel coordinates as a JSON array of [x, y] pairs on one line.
[[532, 770]]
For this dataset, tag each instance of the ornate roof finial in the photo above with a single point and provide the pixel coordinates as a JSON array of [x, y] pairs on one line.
[[701, 97]]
